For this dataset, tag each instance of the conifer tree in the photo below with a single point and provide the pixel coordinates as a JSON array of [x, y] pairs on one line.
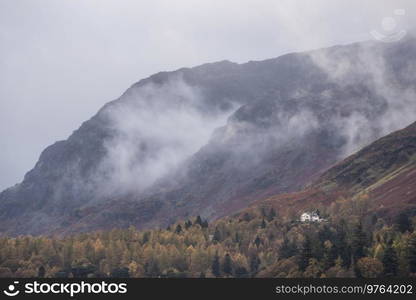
[[217, 235], [241, 272], [272, 215], [178, 228], [198, 221], [215, 267], [411, 253], [287, 249], [358, 242], [204, 224], [41, 272], [305, 254], [390, 261], [403, 222], [188, 224], [227, 266], [254, 263], [257, 241]]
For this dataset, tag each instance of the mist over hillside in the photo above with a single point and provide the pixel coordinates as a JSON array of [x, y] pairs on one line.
[[212, 139]]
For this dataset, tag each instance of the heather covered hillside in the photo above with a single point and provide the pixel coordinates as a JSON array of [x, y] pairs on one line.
[[383, 172]]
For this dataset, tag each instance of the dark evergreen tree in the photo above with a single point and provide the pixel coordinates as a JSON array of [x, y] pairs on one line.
[[247, 217], [325, 234], [342, 247], [411, 253], [237, 238], [204, 224], [146, 237], [329, 257], [41, 272], [257, 241], [198, 221], [374, 219], [287, 249], [263, 212], [152, 269], [227, 266], [263, 224], [390, 261], [358, 242], [120, 273], [403, 222], [216, 267], [178, 228], [82, 271], [254, 263], [188, 224], [305, 254], [271, 215], [241, 272], [217, 235]]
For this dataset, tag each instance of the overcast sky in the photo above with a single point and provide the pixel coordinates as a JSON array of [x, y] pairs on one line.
[[61, 60]]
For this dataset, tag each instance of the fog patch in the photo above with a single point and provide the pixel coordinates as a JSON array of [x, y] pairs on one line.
[[154, 131], [368, 67]]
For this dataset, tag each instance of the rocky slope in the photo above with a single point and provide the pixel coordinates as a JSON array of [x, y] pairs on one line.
[[384, 173], [164, 151]]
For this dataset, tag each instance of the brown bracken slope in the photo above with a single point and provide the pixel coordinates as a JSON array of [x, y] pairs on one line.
[[384, 170]]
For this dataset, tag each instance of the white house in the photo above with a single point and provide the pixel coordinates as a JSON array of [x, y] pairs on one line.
[[310, 217]]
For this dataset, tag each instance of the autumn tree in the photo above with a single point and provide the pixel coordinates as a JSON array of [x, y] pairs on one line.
[[369, 267], [313, 270], [330, 255]]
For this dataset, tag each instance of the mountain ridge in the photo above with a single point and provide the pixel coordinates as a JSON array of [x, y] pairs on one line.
[[283, 115]]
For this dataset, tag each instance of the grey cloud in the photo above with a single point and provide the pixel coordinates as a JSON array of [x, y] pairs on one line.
[[155, 128], [370, 67]]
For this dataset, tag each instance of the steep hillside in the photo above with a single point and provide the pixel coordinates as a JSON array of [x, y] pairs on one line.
[[210, 140], [384, 173], [375, 164], [355, 237]]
